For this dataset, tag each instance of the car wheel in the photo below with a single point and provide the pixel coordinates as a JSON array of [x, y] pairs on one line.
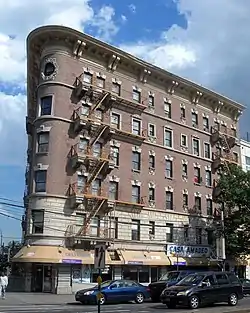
[[233, 299], [171, 305], [194, 302], [139, 298]]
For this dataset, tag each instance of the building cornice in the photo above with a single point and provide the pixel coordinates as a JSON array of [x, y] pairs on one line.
[[115, 57]]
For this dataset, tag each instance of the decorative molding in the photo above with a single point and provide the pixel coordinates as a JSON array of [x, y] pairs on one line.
[[209, 197], [208, 167], [172, 86], [205, 115], [150, 93], [218, 107], [194, 111], [151, 152], [197, 165], [182, 106], [83, 173], [184, 161], [135, 182], [151, 184], [53, 75], [197, 194], [114, 143], [116, 81], [43, 129], [88, 70], [169, 189], [114, 178], [166, 100], [100, 75], [196, 96], [223, 123], [152, 139], [78, 48], [136, 149], [169, 158], [144, 75], [41, 167], [233, 127], [185, 191], [237, 115], [113, 62], [135, 88]]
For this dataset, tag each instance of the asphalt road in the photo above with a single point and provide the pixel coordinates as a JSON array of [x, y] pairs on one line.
[[243, 306]]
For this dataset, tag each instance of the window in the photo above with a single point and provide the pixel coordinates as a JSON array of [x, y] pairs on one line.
[[115, 120], [114, 227], [113, 190], [183, 113], [169, 200], [221, 279], [198, 235], [168, 138], [168, 109], [235, 157], [136, 194], [197, 203], [136, 161], [169, 169], [197, 175], [40, 181], [37, 221], [136, 96], [43, 142], [194, 119], [207, 152], [46, 105], [151, 101], [115, 155], [87, 78], [151, 194], [185, 199], [233, 278], [100, 82], [95, 226], [151, 130], [136, 127], [184, 170], [49, 69], [234, 132], [223, 128], [85, 110], [97, 149], [208, 178], [196, 147], [205, 124], [116, 89], [169, 232], [151, 161], [184, 140], [135, 230], [151, 228], [83, 145], [209, 204], [247, 160], [81, 183], [96, 187], [186, 233], [210, 237]]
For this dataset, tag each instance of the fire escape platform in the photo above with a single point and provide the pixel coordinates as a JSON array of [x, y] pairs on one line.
[[128, 104], [126, 136], [130, 204]]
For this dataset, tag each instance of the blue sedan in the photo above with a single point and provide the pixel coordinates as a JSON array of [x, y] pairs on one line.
[[114, 291]]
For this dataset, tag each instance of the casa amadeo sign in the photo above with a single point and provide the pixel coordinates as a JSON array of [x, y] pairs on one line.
[[188, 251]]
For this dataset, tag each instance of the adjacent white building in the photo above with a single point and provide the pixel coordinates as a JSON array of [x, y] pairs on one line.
[[245, 154]]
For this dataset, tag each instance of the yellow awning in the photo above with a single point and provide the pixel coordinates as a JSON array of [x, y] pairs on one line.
[[136, 257], [177, 261], [50, 254]]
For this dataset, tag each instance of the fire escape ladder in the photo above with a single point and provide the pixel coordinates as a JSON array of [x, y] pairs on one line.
[[96, 171], [224, 143], [99, 102], [99, 134]]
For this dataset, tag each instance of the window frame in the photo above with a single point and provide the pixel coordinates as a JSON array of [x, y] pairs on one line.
[[169, 169], [136, 163], [35, 223], [136, 196], [170, 140], [118, 116], [186, 140], [196, 140], [44, 182], [168, 109], [44, 144], [208, 182], [151, 164], [137, 223], [206, 144], [171, 233], [153, 128], [170, 200], [195, 122], [42, 110], [134, 129], [116, 190]]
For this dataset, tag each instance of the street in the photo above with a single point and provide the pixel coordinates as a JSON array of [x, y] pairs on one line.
[[147, 307]]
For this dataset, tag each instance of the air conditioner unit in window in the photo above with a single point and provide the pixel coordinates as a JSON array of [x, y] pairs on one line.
[[39, 166]]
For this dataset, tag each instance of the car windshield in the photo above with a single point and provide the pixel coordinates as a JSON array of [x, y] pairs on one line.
[[170, 276], [191, 280]]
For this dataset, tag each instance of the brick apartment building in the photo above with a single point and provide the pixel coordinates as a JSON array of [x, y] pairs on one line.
[[119, 151]]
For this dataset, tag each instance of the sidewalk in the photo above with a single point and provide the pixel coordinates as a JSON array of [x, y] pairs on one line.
[[24, 298]]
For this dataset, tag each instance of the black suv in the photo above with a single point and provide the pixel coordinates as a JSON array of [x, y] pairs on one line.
[[167, 280], [204, 288]]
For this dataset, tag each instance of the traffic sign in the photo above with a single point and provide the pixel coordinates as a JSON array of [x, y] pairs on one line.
[[100, 253]]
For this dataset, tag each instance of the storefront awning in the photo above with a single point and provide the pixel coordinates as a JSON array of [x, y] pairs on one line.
[[50, 254], [143, 257], [177, 261]]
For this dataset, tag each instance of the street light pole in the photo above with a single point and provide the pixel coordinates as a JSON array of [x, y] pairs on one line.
[[223, 241]]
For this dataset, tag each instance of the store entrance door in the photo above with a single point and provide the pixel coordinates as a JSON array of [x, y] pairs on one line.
[[42, 278]]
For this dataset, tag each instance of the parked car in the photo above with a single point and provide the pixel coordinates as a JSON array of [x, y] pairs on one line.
[[167, 280], [204, 288], [114, 291], [246, 286]]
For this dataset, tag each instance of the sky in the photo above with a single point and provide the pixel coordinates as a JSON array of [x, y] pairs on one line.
[[205, 41]]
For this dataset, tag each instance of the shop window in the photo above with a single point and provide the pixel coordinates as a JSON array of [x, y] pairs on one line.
[[130, 273], [154, 274], [144, 275]]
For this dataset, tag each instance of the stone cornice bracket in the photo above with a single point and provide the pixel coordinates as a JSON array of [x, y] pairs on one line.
[[113, 62], [237, 115], [78, 48], [218, 107], [196, 96], [144, 75], [171, 88]]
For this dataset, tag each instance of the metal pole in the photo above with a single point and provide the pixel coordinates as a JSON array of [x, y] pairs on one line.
[[99, 290], [223, 242], [177, 259]]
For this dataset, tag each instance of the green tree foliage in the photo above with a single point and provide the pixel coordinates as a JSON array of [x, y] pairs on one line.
[[234, 187]]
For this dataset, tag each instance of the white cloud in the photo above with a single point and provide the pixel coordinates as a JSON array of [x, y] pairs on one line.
[[17, 19], [132, 8], [213, 50], [124, 18]]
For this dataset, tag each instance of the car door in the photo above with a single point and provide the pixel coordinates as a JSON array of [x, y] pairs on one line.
[[207, 291], [224, 288], [246, 285], [116, 291], [130, 290]]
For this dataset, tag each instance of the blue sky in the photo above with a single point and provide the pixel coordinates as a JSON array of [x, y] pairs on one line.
[[205, 41]]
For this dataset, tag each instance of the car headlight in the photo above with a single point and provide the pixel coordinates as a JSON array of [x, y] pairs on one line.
[[182, 293], [88, 293]]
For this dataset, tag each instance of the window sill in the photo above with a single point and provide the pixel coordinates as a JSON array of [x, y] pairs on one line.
[[197, 184], [208, 186], [42, 153], [136, 171], [170, 178]]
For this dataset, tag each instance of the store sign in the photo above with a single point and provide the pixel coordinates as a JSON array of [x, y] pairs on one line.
[[135, 262], [180, 263], [188, 251], [71, 261]]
